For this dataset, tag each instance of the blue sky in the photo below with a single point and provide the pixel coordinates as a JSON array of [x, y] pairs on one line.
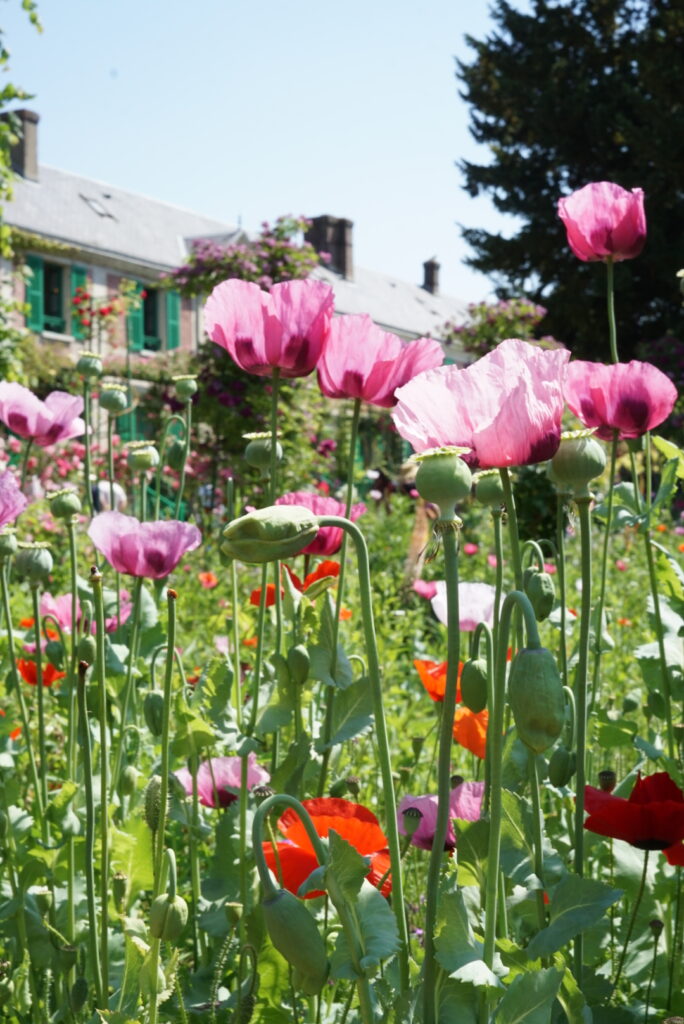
[[246, 110]]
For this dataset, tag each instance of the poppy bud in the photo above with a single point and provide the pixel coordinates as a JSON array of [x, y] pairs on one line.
[[70, 824], [443, 478], [43, 897], [656, 926], [245, 1010], [153, 710], [34, 562], [113, 398], [175, 454], [579, 460], [456, 780], [489, 489], [141, 455], [87, 649], [279, 531], [119, 886], [168, 917], [294, 933], [89, 364], [607, 780], [562, 766], [258, 452], [129, 780], [54, 652], [152, 811], [535, 693], [185, 386], [8, 542], [338, 788], [298, 663], [78, 996], [540, 590], [65, 504], [474, 684], [417, 744]]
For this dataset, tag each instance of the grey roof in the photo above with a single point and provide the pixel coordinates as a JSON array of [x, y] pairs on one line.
[[103, 219]]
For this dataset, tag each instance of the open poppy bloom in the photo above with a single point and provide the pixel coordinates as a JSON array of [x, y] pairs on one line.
[[218, 780], [465, 803], [652, 818], [208, 580], [29, 672], [12, 501], [323, 571], [296, 859], [56, 419], [470, 730], [628, 397], [433, 677], [604, 221], [152, 550]]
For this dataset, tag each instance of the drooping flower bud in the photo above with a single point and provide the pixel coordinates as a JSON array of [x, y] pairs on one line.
[[541, 591], [258, 452], [65, 504], [153, 710], [185, 385], [89, 365], [54, 652], [34, 561], [175, 454], [562, 766], [277, 532], [78, 995], [535, 693], [129, 780], [142, 455], [443, 478], [294, 933], [474, 684], [579, 460], [119, 887], [168, 917], [298, 662], [113, 398], [489, 488], [87, 649]]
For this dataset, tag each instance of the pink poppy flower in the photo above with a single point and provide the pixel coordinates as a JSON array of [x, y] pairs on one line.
[[218, 780], [506, 408], [470, 549], [475, 604], [628, 397], [604, 221], [425, 588], [465, 804], [285, 328], [59, 608], [12, 501], [151, 550], [328, 540], [55, 419], [362, 361]]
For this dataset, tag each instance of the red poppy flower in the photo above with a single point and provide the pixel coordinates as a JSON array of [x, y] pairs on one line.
[[325, 569], [433, 677], [651, 819], [352, 822], [29, 672], [208, 580], [470, 730]]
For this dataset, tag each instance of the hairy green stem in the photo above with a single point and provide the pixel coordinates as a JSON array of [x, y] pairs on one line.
[[40, 695], [129, 685], [604, 573], [610, 302], [100, 676], [186, 453], [86, 756], [86, 445], [166, 719]]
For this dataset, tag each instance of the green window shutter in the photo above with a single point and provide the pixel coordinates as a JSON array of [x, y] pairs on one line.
[[173, 306], [79, 279], [134, 326], [34, 293]]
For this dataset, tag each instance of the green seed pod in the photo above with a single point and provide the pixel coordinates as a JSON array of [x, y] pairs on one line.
[[294, 933], [8, 542], [562, 766], [119, 889], [89, 365], [78, 996], [129, 780], [258, 452], [298, 662], [279, 531], [168, 917], [185, 385], [443, 478], [65, 504], [34, 562], [70, 824], [87, 649], [142, 455], [153, 710], [579, 460], [66, 958], [43, 897], [474, 684], [54, 652], [489, 489], [175, 454], [535, 693], [153, 802], [113, 398], [542, 594]]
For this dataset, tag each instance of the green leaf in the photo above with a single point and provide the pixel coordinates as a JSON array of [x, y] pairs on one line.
[[458, 952], [615, 734], [321, 653], [128, 995], [570, 996], [670, 451], [577, 904], [346, 869], [192, 735], [376, 934], [457, 1002], [473, 843], [131, 853], [352, 714], [288, 775], [529, 998]]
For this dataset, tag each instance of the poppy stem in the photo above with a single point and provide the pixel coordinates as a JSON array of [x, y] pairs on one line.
[[96, 584], [497, 523], [262, 812], [598, 612], [86, 445], [560, 548], [610, 302], [652, 974], [129, 684], [42, 764], [513, 534], [537, 836], [186, 452], [24, 462], [632, 921], [166, 717]]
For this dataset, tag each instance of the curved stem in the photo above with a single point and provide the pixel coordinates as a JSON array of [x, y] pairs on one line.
[[443, 768], [381, 734], [262, 812], [610, 301]]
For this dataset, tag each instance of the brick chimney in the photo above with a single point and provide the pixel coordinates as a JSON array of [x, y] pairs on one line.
[[333, 235], [25, 151], [431, 276]]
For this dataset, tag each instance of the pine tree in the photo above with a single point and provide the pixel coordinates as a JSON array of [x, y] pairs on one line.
[[573, 92]]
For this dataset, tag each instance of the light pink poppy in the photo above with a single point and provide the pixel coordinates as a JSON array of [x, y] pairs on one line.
[[506, 408], [628, 397], [465, 803], [604, 221], [285, 328], [12, 501], [151, 550], [56, 419], [362, 361], [328, 540], [425, 588], [475, 604], [218, 780]]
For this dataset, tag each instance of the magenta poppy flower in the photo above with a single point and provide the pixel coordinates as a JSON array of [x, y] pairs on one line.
[[328, 540], [56, 419], [475, 604], [425, 588], [285, 328], [151, 550], [628, 397], [12, 501], [218, 780], [506, 408], [362, 361], [604, 221], [465, 803]]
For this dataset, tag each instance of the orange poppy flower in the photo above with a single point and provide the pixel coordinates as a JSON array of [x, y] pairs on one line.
[[208, 580], [29, 672], [27, 622], [15, 732], [345, 614], [351, 821], [250, 641], [433, 677], [326, 568], [470, 730]]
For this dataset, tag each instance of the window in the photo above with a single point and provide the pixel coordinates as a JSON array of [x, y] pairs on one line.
[[48, 291], [155, 324]]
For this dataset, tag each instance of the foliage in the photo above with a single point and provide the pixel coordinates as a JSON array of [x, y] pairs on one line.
[[668, 355], [489, 323], [569, 93], [275, 255]]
